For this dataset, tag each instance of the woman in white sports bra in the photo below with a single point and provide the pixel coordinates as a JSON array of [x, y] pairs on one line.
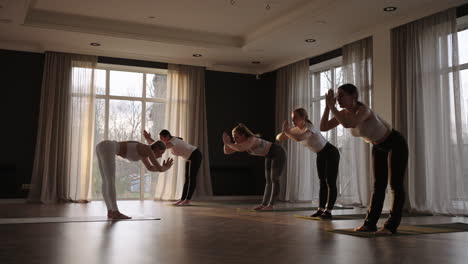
[[275, 159], [328, 158], [389, 147], [106, 152]]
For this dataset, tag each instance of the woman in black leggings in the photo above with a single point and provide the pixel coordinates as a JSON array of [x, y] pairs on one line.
[[328, 158], [389, 148]]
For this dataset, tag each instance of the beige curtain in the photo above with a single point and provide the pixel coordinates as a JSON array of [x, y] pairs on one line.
[[429, 108], [356, 155], [292, 91], [186, 118], [63, 156]]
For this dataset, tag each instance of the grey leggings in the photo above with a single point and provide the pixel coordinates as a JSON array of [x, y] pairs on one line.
[[274, 166]]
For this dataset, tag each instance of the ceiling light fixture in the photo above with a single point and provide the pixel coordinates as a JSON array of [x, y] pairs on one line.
[[267, 7], [255, 62], [389, 9], [310, 40], [197, 55], [233, 2], [95, 44]]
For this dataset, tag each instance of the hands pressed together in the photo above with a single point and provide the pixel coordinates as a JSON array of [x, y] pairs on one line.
[[330, 99]]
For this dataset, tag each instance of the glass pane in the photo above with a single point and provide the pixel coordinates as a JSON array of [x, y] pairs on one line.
[[156, 85], [125, 124], [155, 118], [99, 122], [126, 83], [462, 44], [339, 78], [100, 81], [464, 106], [124, 120]]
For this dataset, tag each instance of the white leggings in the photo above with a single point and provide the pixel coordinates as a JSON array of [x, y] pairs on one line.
[[106, 151]]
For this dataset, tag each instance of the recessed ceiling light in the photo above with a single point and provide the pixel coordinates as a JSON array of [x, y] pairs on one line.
[[95, 44], [310, 40], [320, 22], [389, 9], [197, 55], [255, 62]]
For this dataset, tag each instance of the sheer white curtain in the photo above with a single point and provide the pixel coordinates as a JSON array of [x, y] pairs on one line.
[[186, 118], [428, 107], [64, 146], [356, 155], [292, 91]]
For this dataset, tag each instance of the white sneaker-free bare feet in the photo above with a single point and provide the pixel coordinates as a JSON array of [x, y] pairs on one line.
[[258, 207], [363, 228], [118, 216], [184, 203], [268, 207], [383, 231], [178, 202]]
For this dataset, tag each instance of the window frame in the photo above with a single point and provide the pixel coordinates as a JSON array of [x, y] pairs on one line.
[[143, 99]]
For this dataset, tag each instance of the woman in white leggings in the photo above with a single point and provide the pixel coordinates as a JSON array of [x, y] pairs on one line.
[[106, 152]]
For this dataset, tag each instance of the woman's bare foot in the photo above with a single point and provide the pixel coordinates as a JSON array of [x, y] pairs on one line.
[[178, 202], [363, 228], [267, 207], [383, 231], [258, 207], [184, 203], [109, 214], [118, 216]]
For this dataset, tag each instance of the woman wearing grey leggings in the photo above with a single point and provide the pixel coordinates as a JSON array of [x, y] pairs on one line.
[[275, 159]]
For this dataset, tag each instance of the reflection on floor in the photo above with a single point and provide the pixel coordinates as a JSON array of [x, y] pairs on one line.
[[211, 232]]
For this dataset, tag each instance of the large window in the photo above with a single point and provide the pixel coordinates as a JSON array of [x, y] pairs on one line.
[[323, 77], [463, 71], [128, 100]]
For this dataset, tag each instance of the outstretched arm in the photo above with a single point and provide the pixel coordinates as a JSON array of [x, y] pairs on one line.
[[153, 165], [325, 123], [295, 136], [227, 142], [147, 136]]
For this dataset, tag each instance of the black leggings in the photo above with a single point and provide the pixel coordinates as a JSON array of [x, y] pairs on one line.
[[191, 170], [393, 151], [328, 160]]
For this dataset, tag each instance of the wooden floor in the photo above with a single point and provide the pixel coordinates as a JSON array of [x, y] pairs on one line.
[[211, 232]]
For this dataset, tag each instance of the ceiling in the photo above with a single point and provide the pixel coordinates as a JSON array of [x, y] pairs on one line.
[[229, 34]]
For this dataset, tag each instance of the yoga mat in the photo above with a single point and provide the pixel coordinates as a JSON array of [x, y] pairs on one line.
[[358, 216], [292, 209], [47, 220], [405, 230]]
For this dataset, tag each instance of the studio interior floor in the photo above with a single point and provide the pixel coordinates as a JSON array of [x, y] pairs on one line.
[[209, 232]]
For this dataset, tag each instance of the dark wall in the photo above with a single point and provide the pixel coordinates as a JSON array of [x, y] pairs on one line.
[[233, 98], [21, 80]]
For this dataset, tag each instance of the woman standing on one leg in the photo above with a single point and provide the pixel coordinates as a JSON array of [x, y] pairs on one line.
[[275, 159], [328, 158], [106, 152], [191, 154], [389, 148]]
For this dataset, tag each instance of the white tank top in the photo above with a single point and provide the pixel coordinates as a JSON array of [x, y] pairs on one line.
[[372, 129], [132, 152], [314, 140], [181, 148]]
